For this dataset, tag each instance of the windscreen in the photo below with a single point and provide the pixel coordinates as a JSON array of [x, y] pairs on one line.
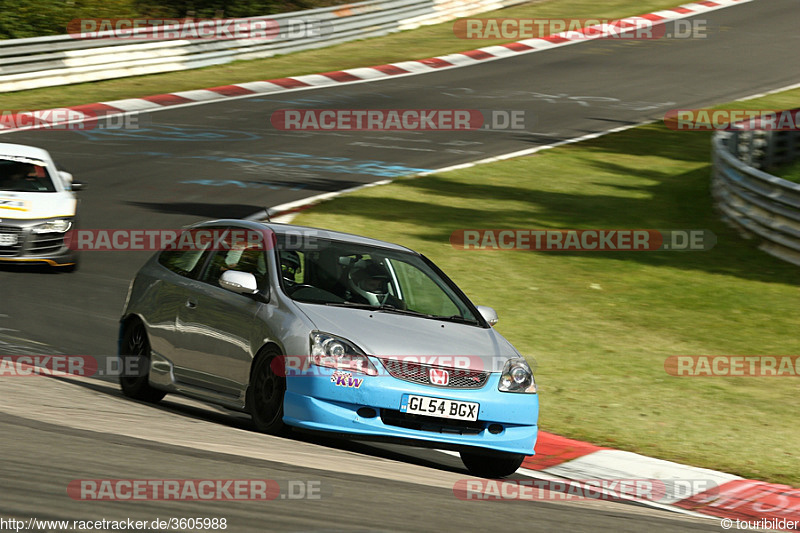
[[348, 274], [19, 174]]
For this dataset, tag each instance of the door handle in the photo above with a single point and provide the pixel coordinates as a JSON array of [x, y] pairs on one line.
[[190, 304]]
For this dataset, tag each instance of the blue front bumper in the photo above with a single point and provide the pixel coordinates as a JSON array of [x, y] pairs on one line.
[[317, 402]]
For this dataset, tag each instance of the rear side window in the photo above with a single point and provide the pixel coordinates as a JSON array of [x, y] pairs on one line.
[[186, 263]]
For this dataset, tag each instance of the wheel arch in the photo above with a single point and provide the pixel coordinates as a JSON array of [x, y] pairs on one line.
[[267, 347]]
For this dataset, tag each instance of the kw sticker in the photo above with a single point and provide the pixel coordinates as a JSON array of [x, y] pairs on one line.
[[346, 379]]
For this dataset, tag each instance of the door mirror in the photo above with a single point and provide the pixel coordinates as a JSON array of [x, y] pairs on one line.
[[238, 282], [69, 181], [489, 314]]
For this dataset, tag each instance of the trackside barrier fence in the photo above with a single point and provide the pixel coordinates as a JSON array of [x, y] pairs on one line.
[[64, 59], [757, 203]]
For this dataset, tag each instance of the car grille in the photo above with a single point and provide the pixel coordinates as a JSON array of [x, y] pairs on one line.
[[416, 422], [460, 378], [46, 243], [12, 250]]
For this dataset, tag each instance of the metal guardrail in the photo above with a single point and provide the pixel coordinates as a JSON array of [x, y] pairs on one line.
[[754, 201], [64, 59]]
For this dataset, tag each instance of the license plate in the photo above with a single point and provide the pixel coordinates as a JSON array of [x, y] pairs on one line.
[[8, 239], [439, 407]]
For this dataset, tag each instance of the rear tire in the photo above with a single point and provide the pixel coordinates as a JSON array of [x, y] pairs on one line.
[[135, 343], [265, 394], [493, 465]]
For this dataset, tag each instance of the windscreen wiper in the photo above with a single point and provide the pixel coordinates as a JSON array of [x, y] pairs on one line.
[[354, 305], [392, 309], [460, 319], [385, 307]]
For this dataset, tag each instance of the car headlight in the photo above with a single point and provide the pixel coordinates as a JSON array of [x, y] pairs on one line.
[[334, 352], [59, 225], [517, 376]]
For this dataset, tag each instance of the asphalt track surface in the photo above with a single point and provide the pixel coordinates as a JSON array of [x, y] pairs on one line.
[[226, 160], [99, 434]]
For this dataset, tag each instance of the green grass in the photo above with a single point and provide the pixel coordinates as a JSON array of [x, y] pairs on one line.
[[789, 171], [416, 44], [600, 325]]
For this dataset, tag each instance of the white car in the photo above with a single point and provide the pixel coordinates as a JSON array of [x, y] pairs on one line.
[[38, 206]]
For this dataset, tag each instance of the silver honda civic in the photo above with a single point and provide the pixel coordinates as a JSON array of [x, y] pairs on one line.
[[325, 331]]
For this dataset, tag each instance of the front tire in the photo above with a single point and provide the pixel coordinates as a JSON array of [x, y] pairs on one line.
[[493, 465], [265, 394], [136, 346]]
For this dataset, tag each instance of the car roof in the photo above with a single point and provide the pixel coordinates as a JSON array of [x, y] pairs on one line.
[[22, 150], [284, 229]]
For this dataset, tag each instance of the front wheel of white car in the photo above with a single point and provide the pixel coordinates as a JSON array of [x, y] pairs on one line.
[[493, 465]]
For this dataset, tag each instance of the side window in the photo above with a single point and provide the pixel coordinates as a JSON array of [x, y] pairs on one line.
[[252, 260], [187, 263], [421, 293]]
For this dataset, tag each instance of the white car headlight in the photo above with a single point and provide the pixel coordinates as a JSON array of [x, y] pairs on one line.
[[334, 352], [517, 376], [58, 225]]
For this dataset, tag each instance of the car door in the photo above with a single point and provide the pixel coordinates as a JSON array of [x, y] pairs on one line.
[[219, 332], [168, 295]]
